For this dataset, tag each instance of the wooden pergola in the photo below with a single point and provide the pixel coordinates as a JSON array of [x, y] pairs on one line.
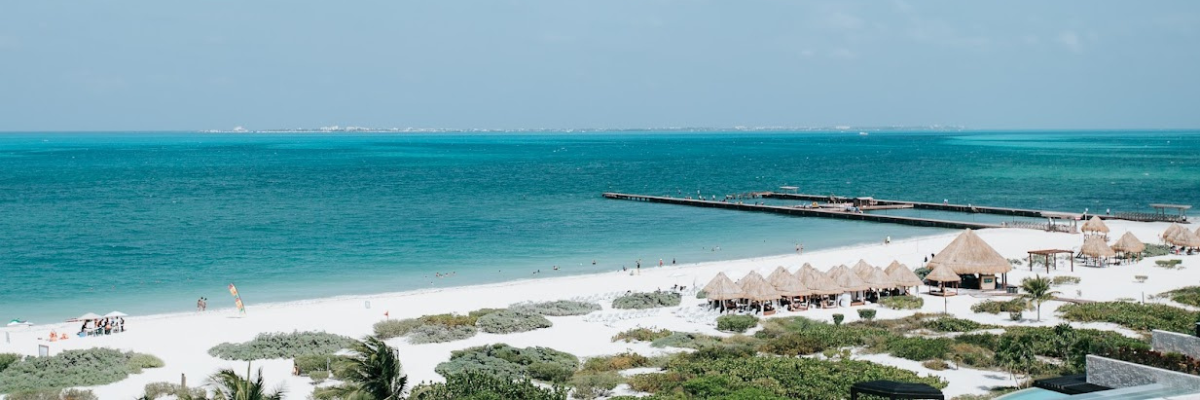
[[1048, 255], [1180, 211]]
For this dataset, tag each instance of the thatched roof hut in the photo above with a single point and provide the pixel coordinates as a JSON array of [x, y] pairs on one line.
[[847, 279], [780, 276], [862, 269], [1129, 244], [1094, 225], [1171, 231], [902, 276], [1184, 237], [968, 254], [1096, 247], [942, 273], [722, 288], [877, 279], [794, 287], [818, 282], [755, 287]]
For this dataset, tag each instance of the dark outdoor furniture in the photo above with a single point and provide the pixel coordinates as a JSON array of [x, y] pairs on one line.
[[1069, 384], [896, 390]]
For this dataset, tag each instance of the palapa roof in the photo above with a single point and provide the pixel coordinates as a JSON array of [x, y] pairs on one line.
[[942, 273], [1094, 225], [847, 279], [819, 283], [1184, 237], [968, 254], [879, 280], [862, 269], [1096, 247], [1171, 230], [794, 287], [1129, 244], [755, 287], [722, 288], [779, 277], [902, 276]]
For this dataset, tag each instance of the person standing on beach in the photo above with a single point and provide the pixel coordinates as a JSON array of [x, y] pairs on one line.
[[660, 263], [200, 304]]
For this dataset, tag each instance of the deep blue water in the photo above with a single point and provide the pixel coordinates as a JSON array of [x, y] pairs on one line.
[[148, 222]]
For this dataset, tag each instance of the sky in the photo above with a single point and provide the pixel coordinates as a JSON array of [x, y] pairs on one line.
[[503, 64]]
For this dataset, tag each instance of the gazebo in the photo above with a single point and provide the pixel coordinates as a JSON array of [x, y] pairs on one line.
[[1129, 246], [794, 289], [1094, 226], [756, 289], [902, 276], [1095, 248], [942, 274], [970, 255], [1049, 255], [820, 284], [721, 288], [896, 390]]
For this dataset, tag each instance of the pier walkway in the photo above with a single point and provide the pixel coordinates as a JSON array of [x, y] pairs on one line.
[[807, 212], [965, 208]]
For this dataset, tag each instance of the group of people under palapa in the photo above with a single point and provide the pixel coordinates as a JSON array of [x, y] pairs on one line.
[[967, 256]]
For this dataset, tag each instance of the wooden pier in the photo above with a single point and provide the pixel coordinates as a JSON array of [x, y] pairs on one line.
[[807, 212], [881, 204]]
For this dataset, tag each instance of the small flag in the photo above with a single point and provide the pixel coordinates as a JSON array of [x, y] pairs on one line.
[[237, 299]]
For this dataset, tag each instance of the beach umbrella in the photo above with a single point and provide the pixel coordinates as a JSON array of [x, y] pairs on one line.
[[1171, 230], [755, 287], [1129, 244], [88, 316], [1095, 247], [1184, 238], [862, 269], [942, 274], [903, 276], [969, 254], [1094, 225], [722, 288], [116, 314]]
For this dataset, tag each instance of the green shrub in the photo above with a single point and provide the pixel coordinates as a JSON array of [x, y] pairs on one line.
[[685, 340], [77, 394], [801, 336], [616, 362], [838, 318], [506, 361], [591, 385], [160, 389], [642, 335], [1141, 317], [866, 313], [452, 319], [436, 333], [282, 345], [936, 365], [701, 294], [638, 301], [1015, 315], [560, 308], [483, 386], [736, 323], [1156, 250], [996, 307], [317, 362], [951, 324], [139, 361], [54, 394], [1168, 264], [1065, 280], [903, 302], [7, 359], [922, 272], [394, 328], [318, 376], [916, 348], [97, 366], [1186, 295], [509, 321]]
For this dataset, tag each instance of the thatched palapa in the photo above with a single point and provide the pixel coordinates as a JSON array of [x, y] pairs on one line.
[[862, 269], [1094, 225], [754, 287], [1171, 231], [1184, 237], [878, 279], [722, 288], [818, 282], [779, 277], [794, 287], [902, 276], [847, 279], [1096, 247], [942, 273], [968, 254], [1129, 244]]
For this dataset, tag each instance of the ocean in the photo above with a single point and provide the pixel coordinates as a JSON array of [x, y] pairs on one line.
[[149, 222]]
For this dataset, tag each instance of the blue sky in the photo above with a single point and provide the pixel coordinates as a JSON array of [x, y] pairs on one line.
[[150, 65]]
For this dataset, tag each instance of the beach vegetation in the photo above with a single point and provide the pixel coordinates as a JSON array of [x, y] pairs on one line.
[[1065, 280], [282, 345], [502, 360], [866, 313], [318, 377], [736, 323], [936, 364], [1016, 354], [685, 340], [592, 385], [7, 359], [394, 328], [484, 386], [510, 321], [1016, 262], [838, 318], [1186, 295], [616, 362], [996, 307], [227, 384], [162, 389], [316, 362], [436, 333], [139, 361], [70, 368], [1136, 316], [951, 324], [700, 294], [560, 308], [1169, 264], [922, 272], [1036, 291], [373, 371], [640, 334], [55, 394], [903, 302], [645, 300], [1156, 250]]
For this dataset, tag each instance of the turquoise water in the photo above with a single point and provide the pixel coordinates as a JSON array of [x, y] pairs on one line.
[[148, 222]]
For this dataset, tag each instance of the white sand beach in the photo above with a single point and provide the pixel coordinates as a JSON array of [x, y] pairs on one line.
[[182, 340]]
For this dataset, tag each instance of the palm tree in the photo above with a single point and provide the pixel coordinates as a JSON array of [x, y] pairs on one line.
[[373, 372], [228, 385], [1037, 290]]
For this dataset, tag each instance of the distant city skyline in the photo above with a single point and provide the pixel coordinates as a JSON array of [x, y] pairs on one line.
[[543, 64]]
